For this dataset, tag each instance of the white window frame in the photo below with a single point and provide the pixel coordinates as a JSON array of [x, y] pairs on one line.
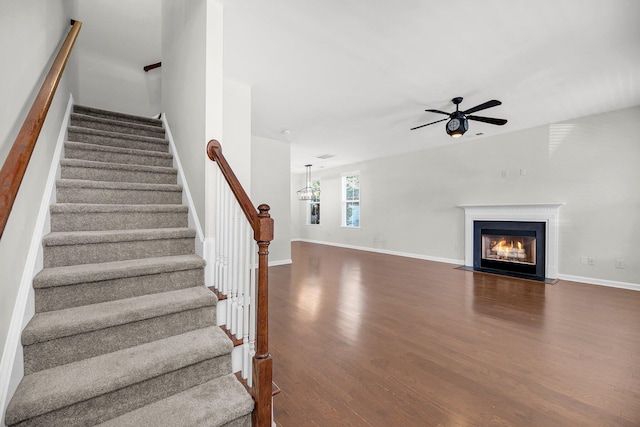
[[343, 205], [311, 202]]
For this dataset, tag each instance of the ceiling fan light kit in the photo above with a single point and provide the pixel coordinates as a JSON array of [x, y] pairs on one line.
[[458, 122]]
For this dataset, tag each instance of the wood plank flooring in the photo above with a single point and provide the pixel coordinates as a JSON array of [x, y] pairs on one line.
[[365, 339]]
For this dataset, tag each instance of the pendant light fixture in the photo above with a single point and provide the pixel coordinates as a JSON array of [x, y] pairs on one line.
[[308, 192]]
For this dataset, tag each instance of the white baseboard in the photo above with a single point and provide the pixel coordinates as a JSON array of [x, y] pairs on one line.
[[600, 282], [209, 253], [280, 262], [587, 280], [221, 313], [237, 356], [194, 221], [11, 364], [385, 251]]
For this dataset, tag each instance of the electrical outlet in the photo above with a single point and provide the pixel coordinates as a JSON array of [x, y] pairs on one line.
[[592, 261], [620, 263], [504, 174], [584, 260]]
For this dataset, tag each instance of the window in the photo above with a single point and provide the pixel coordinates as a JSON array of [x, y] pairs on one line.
[[351, 200], [313, 213]]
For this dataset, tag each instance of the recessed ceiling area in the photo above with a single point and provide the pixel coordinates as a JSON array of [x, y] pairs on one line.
[[351, 78]]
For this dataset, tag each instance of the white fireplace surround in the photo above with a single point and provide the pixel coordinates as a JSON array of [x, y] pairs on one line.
[[538, 212]]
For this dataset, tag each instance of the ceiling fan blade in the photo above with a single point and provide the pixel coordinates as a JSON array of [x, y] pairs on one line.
[[421, 126], [488, 104], [438, 111], [491, 120]]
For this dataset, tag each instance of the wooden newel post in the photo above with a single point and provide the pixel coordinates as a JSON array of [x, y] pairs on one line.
[[262, 362]]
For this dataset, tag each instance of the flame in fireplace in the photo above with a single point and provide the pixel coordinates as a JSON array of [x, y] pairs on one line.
[[501, 248], [506, 250]]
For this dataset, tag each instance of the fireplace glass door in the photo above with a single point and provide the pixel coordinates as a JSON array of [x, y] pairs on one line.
[[507, 248]]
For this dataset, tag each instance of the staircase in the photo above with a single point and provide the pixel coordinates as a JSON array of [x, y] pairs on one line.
[[125, 331]]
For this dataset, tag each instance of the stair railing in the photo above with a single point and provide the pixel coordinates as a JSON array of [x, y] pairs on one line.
[[15, 165], [235, 275]]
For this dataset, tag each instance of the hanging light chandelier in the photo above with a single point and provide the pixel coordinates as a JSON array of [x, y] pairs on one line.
[[308, 192]]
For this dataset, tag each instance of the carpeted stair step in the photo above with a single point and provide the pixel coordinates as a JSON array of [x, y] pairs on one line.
[[86, 217], [113, 115], [58, 288], [59, 337], [220, 402], [98, 389], [116, 172], [83, 191], [114, 139], [119, 126], [105, 153], [90, 247], [124, 332]]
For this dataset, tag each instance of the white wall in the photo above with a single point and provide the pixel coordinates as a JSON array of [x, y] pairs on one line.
[[118, 40], [214, 88], [409, 202], [236, 135], [183, 88], [31, 33], [270, 184]]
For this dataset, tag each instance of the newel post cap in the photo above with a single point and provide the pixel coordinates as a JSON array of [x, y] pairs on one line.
[[264, 224]]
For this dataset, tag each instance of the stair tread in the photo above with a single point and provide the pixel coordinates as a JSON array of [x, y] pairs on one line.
[[117, 166], [81, 273], [110, 208], [59, 238], [197, 406], [78, 320], [117, 135], [55, 388], [114, 185], [117, 123], [83, 109], [121, 150]]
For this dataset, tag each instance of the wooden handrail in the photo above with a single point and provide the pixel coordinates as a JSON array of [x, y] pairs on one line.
[[214, 151], [150, 67], [17, 160], [262, 224]]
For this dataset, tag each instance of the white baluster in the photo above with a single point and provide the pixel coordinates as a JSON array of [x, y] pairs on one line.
[[246, 362], [252, 313], [241, 286], [223, 237], [234, 269], [228, 256], [218, 243]]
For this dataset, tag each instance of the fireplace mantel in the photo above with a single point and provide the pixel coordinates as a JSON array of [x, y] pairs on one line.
[[542, 212]]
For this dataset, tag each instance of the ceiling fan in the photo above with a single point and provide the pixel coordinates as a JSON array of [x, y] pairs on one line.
[[457, 124]]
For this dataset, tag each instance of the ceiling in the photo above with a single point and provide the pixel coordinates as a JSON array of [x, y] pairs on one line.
[[349, 78]]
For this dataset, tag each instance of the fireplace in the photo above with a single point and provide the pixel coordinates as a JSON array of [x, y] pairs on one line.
[[534, 226], [514, 248]]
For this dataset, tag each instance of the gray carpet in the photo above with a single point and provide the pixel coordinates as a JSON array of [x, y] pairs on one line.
[[124, 332]]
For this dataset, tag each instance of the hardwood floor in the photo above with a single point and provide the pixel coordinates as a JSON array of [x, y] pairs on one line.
[[365, 339]]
